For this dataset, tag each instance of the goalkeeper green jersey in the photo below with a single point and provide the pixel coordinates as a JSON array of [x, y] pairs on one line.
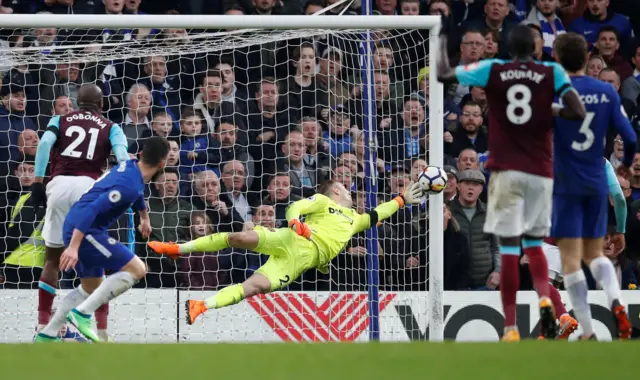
[[332, 225]]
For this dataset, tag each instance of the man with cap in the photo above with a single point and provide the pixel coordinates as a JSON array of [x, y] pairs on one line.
[[12, 123], [470, 213]]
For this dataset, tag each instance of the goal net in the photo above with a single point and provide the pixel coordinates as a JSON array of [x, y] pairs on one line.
[[259, 113]]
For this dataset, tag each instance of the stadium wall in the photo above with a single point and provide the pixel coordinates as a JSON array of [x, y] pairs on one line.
[[158, 316]]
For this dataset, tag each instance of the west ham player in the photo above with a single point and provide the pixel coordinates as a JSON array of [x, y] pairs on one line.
[[580, 196], [520, 95], [81, 142], [90, 249]]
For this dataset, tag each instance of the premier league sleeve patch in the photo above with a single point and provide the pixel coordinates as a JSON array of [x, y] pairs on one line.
[[115, 196]]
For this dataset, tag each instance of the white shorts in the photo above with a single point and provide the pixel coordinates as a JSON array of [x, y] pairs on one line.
[[518, 204], [552, 253], [62, 192]]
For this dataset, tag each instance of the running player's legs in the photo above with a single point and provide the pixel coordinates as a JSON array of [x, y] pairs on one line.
[[62, 193]]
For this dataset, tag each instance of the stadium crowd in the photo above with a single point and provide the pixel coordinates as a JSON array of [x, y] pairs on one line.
[[257, 127]]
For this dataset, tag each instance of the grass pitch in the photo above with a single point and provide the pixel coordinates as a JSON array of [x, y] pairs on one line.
[[384, 361]]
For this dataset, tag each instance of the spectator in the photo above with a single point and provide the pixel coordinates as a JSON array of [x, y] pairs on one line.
[[608, 75], [210, 103], [451, 110], [495, 14], [386, 7], [456, 257], [618, 152], [607, 45], [265, 7], [451, 191], [545, 15], [64, 79], [193, 143], [313, 6], [597, 17], [635, 178], [12, 124], [470, 213], [164, 97], [595, 64], [467, 159], [268, 125], [359, 152], [234, 194], [470, 133], [399, 178], [539, 53], [403, 142], [492, 44], [169, 218], [343, 175], [317, 152], [62, 105], [439, 7], [207, 198], [338, 137], [304, 95], [136, 124], [202, 268], [161, 125], [630, 88], [279, 195], [385, 106], [303, 178], [28, 142], [410, 7], [231, 91], [471, 51], [329, 77], [23, 245], [224, 147]]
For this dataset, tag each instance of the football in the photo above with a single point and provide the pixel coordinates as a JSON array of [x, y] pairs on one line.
[[433, 180]]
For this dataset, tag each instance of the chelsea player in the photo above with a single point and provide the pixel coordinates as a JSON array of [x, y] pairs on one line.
[[580, 195], [89, 248]]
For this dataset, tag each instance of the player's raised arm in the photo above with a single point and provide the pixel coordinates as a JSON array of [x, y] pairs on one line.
[[119, 143], [412, 194]]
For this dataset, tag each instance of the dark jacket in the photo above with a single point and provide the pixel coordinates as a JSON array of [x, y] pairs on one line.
[[461, 142], [222, 223], [12, 124], [483, 248], [296, 180]]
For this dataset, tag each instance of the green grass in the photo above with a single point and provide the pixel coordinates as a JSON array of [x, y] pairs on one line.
[[384, 361]]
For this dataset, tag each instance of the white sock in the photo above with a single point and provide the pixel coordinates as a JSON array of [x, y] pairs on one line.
[[71, 300], [187, 247], [605, 274], [576, 285], [110, 288]]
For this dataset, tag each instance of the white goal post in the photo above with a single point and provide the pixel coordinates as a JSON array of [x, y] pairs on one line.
[[274, 28]]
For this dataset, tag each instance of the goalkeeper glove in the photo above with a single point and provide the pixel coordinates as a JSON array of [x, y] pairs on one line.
[[300, 228], [412, 194]]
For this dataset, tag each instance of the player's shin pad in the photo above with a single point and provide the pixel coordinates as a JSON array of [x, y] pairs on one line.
[[110, 288]]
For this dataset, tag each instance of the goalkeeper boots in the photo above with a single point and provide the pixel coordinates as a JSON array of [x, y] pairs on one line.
[[82, 322], [41, 338], [622, 320], [568, 325], [548, 327], [193, 309], [170, 249]]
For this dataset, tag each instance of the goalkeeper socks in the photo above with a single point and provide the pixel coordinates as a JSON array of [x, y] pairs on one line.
[[71, 300], [110, 288], [230, 295], [576, 285], [509, 282], [537, 265], [558, 305], [46, 295], [605, 274], [209, 243]]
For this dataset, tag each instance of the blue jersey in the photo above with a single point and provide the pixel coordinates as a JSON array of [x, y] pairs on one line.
[[578, 146], [110, 197]]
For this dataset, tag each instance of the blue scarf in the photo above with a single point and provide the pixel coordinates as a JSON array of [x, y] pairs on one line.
[[547, 32], [412, 144]]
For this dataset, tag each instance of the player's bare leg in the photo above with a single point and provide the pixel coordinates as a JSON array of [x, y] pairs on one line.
[[575, 283], [539, 269], [70, 301], [110, 288], [48, 284], [509, 284], [605, 274]]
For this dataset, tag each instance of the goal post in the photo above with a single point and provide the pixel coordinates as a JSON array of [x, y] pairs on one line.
[[242, 33]]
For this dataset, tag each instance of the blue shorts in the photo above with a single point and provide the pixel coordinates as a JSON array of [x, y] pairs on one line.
[[579, 216], [99, 252]]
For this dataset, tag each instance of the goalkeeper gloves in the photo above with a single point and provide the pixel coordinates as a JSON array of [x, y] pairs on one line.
[[300, 228], [412, 194]]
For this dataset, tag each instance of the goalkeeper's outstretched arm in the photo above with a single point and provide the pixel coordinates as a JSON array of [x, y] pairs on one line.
[[413, 194]]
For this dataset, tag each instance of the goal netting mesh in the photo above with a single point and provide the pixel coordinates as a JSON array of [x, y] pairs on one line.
[[257, 119]]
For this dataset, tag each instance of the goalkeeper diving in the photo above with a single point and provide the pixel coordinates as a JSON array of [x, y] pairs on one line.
[[329, 224]]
